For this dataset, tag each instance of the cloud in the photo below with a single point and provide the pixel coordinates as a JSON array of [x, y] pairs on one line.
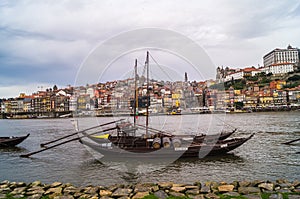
[[15, 89], [39, 38]]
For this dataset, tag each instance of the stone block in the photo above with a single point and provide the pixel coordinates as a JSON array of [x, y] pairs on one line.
[[267, 186], [225, 188], [178, 189], [248, 190], [105, 193], [140, 195], [121, 192]]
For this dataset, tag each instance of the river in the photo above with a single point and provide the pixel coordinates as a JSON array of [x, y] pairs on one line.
[[262, 157]]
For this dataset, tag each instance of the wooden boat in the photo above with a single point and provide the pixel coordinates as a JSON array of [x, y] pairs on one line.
[[152, 150], [126, 137], [12, 141], [151, 144]]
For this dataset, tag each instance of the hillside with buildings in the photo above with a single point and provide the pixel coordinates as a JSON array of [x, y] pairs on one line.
[[274, 86]]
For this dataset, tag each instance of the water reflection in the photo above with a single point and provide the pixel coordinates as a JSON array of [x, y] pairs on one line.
[[13, 150]]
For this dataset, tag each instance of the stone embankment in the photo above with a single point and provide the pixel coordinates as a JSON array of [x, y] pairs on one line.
[[216, 190]]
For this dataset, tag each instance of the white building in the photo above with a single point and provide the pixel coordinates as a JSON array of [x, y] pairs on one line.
[[280, 56], [235, 76], [276, 69]]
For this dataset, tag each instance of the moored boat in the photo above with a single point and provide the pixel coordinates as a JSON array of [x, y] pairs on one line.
[[12, 141], [153, 149]]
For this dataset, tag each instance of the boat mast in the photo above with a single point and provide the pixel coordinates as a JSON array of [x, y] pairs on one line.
[[148, 94], [135, 111]]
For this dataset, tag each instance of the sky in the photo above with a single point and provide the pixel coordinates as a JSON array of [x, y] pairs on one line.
[[47, 43]]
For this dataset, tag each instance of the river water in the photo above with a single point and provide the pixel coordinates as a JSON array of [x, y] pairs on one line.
[[262, 157]]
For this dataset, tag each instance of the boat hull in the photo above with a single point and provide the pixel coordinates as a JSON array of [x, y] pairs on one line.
[[12, 141], [111, 152]]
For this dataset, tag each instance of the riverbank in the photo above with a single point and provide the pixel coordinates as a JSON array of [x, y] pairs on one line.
[[198, 190], [70, 115]]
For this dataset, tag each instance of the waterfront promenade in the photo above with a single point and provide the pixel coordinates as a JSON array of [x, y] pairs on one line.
[[218, 190]]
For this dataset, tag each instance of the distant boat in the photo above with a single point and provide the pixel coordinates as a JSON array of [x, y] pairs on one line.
[[66, 115], [12, 141]]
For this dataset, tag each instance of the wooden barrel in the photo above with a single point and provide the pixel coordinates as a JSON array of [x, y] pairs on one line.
[[176, 142], [156, 143], [166, 142]]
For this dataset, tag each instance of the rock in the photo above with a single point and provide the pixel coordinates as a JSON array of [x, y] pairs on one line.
[[5, 190], [35, 183], [35, 196], [143, 187], [176, 194], [284, 191], [252, 196], [212, 196], [235, 184], [297, 190], [155, 188], [267, 186], [178, 185], [12, 185], [244, 184], [205, 189], [191, 187], [105, 193], [91, 190], [161, 194], [276, 196], [255, 183], [84, 196], [281, 181], [53, 195], [285, 185], [35, 190], [55, 184], [18, 190], [113, 188], [106, 197], [78, 194], [70, 190], [296, 183], [165, 185], [94, 197], [121, 192], [19, 196], [294, 196], [178, 189], [214, 185], [225, 188], [192, 191], [198, 184], [140, 195], [200, 196], [248, 190], [64, 197], [4, 182], [4, 186], [2, 196], [234, 194], [56, 191]]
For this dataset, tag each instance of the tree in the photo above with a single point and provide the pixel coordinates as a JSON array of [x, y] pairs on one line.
[[54, 88], [294, 78]]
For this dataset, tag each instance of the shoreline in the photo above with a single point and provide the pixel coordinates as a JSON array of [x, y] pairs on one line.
[[280, 188], [265, 110]]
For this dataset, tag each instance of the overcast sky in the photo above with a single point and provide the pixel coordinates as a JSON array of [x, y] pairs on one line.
[[45, 42]]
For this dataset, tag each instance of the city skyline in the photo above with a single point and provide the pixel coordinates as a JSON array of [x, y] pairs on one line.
[[44, 43]]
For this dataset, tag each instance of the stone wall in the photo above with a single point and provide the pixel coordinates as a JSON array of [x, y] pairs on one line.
[[198, 190]]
